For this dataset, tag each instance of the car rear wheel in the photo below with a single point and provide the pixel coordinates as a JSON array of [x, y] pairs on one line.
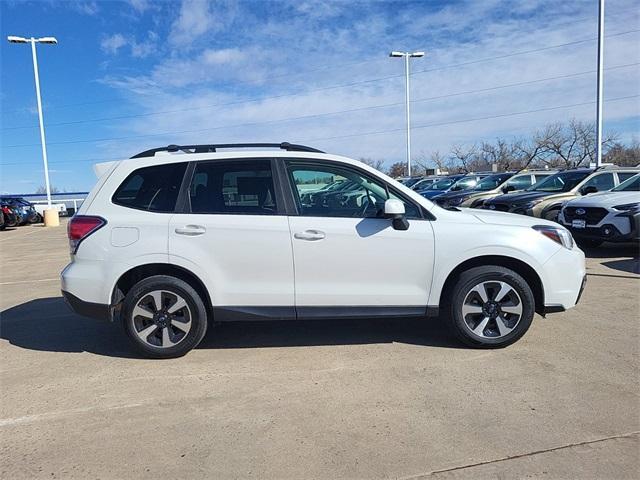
[[490, 307], [164, 317]]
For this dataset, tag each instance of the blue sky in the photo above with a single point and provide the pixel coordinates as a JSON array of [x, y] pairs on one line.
[[127, 76]]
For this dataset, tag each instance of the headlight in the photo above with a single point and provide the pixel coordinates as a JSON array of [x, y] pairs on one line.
[[454, 202], [557, 234], [628, 207]]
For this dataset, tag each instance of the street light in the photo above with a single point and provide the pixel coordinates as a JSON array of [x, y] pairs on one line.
[[406, 56], [33, 41], [600, 83]]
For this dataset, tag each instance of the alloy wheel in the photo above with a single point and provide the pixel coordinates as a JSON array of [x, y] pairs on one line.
[[161, 318], [492, 309]]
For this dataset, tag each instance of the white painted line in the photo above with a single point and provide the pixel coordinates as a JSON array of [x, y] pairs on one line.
[[31, 281], [52, 415]]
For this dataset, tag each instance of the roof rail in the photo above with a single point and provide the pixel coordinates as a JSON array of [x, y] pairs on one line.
[[291, 147]]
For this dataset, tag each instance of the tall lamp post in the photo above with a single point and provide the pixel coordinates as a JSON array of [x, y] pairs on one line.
[[600, 83], [33, 41], [406, 56]]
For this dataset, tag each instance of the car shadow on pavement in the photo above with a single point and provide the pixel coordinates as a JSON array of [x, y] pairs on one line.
[[47, 324], [626, 255]]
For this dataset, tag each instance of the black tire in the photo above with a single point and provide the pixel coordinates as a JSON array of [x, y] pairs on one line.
[[589, 242], [552, 215], [175, 286], [472, 278]]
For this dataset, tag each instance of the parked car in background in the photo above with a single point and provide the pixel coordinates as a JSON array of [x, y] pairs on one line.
[[166, 243], [464, 182], [546, 198], [2, 226], [441, 185], [425, 182], [26, 210], [516, 183], [410, 181], [612, 216], [11, 215], [456, 198]]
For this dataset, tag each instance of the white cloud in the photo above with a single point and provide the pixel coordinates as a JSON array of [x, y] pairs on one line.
[[113, 43], [86, 7], [206, 84], [196, 18], [140, 5]]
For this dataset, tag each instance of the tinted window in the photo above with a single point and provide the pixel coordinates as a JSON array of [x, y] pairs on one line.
[[242, 187], [602, 182], [539, 178], [561, 182], [630, 185], [151, 188], [328, 191], [622, 176], [465, 183], [490, 182], [520, 182]]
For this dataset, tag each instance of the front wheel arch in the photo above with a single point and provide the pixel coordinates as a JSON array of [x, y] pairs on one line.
[[523, 269]]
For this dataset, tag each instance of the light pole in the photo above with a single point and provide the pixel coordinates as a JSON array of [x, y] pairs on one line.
[[600, 83], [33, 41], [406, 56]]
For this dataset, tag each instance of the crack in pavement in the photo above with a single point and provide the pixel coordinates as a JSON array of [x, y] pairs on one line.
[[521, 455]]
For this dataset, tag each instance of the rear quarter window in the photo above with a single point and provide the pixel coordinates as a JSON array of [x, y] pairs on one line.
[[154, 189]]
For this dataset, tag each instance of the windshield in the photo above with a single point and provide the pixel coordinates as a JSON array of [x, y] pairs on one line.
[[629, 185], [464, 183], [441, 184], [491, 182], [560, 182], [410, 181]]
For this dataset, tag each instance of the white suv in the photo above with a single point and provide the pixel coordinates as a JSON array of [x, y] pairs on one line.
[[176, 237]]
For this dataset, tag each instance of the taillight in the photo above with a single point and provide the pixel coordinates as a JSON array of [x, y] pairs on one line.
[[80, 227]]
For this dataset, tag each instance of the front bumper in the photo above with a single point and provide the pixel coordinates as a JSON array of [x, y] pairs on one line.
[[97, 311]]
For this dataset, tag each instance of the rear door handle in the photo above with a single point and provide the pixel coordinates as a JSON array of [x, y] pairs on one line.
[[309, 235], [191, 230]]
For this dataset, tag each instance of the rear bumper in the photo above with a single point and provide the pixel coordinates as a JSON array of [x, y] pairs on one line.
[[97, 311]]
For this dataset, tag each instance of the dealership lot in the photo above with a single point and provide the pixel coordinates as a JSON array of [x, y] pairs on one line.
[[365, 399]]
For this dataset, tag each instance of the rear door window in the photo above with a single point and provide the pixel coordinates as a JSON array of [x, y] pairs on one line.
[[233, 187], [154, 189]]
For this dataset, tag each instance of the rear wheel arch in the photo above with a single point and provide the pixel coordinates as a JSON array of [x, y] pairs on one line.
[[128, 279], [522, 268]]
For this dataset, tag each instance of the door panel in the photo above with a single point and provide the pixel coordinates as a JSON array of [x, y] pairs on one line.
[[345, 253], [235, 234], [362, 262], [247, 259]]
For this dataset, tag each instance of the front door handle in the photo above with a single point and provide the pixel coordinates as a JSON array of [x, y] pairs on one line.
[[191, 230], [309, 235]]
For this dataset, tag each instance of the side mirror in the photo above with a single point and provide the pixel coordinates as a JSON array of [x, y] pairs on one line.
[[394, 209], [508, 188], [589, 189]]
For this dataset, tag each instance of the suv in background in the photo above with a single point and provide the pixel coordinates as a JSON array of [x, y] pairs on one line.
[[516, 183], [612, 216], [546, 198], [176, 237]]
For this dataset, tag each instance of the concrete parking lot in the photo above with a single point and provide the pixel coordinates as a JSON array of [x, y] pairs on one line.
[[366, 399]]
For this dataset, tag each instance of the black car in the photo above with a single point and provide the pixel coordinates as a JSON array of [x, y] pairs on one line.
[[454, 198]]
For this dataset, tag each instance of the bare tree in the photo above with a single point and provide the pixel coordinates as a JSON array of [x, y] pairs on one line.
[[374, 163], [622, 155], [464, 156], [571, 145], [42, 190], [398, 169]]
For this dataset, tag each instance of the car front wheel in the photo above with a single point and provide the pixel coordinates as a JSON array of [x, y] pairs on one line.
[[164, 317], [490, 307]]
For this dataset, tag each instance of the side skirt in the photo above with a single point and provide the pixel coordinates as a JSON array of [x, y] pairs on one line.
[[257, 313]]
